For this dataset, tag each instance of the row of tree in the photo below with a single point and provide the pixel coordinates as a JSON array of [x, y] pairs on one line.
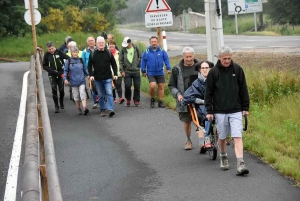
[[12, 13]]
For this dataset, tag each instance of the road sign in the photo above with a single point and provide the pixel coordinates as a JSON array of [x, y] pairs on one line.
[[244, 6], [36, 14], [159, 19], [157, 6], [34, 4]]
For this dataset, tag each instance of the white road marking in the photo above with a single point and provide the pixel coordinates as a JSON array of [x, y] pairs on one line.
[[12, 174]]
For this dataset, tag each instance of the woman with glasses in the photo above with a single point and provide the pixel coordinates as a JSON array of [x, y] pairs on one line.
[[195, 94]]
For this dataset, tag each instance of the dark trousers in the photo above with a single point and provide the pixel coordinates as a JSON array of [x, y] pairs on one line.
[[57, 84], [136, 79], [118, 87]]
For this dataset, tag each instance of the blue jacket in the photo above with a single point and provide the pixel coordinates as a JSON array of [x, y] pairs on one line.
[[77, 72], [86, 54], [196, 90], [153, 61]]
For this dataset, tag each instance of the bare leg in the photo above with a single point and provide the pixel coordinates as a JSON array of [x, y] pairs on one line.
[[161, 91], [77, 104], [83, 103], [152, 88], [238, 147], [222, 144], [187, 126]]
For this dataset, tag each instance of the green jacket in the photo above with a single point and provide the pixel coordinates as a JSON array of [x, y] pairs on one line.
[[125, 65]]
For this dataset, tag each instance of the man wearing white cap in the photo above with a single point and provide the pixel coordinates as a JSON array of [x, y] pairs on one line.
[[129, 59]]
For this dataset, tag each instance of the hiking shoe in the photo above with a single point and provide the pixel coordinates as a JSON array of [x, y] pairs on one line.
[[56, 109], [241, 169], [102, 113], [85, 111], [161, 104], [202, 150], [111, 113], [95, 105], [188, 145], [121, 100], [207, 143], [62, 106], [136, 103], [79, 111], [152, 102], [224, 162], [127, 104]]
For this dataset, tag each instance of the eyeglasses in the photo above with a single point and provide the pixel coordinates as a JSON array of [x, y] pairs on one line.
[[204, 68]]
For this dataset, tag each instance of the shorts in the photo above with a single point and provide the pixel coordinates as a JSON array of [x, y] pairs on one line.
[[158, 79], [79, 93], [185, 117], [229, 123]]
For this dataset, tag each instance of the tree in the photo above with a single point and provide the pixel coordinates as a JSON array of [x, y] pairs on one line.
[[12, 18], [94, 22], [73, 19], [54, 21], [284, 11]]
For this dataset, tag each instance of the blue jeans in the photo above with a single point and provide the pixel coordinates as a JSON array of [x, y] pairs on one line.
[[207, 125], [104, 88]]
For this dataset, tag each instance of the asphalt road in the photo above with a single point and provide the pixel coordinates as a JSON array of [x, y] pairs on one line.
[[11, 78], [177, 40], [137, 155]]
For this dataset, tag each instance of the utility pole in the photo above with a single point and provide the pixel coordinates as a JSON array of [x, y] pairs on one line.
[[33, 27], [214, 29]]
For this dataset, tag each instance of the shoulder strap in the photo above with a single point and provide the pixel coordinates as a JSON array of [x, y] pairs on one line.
[[69, 59], [92, 54], [81, 60], [138, 52]]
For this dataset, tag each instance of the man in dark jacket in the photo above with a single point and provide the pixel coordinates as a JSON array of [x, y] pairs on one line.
[[179, 82], [227, 100], [99, 66], [129, 59], [53, 63]]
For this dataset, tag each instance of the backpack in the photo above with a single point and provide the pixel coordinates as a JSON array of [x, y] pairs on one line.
[[69, 63]]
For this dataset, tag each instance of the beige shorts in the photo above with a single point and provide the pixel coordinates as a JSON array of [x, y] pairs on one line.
[[79, 93], [229, 123]]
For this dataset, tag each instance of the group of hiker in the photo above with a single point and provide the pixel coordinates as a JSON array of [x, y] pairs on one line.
[[219, 92]]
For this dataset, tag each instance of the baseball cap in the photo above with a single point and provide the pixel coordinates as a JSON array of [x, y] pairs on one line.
[[126, 41]]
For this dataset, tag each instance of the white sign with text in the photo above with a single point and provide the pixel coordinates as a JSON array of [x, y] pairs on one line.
[[159, 19]]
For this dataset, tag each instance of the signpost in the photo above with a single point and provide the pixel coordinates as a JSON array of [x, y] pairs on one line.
[[236, 7], [32, 15], [158, 14]]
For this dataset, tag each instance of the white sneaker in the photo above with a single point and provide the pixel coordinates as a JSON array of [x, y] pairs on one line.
[[94, 106]]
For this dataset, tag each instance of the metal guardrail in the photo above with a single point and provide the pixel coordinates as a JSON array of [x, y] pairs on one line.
[[40, 180]]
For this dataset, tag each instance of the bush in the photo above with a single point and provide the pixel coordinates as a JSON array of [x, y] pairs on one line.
[[73, 20]]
